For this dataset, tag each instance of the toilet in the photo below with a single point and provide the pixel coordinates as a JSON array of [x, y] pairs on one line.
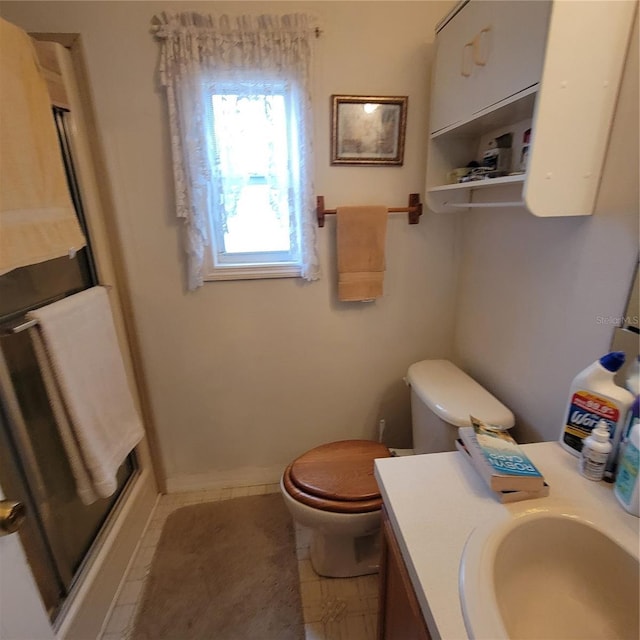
[[331, 489], [442, 399]]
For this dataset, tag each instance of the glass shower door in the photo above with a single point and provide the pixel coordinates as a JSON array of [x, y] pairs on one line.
[[60, 531]]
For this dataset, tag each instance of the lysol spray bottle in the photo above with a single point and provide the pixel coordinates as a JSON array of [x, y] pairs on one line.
[[594, 396]]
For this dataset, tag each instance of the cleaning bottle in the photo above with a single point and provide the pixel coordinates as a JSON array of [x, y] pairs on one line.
[[595, 451], [633, 417], [632, 383], [594, 396], [626, 488], [633, 377]]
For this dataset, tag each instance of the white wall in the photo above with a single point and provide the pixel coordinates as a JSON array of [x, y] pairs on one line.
[[245, 375], [535, 294]]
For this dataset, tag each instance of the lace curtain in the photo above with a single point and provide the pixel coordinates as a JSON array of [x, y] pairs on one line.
[[198, 51]]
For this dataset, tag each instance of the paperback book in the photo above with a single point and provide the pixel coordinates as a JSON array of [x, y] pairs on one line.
[[506, 496], [498, 458]]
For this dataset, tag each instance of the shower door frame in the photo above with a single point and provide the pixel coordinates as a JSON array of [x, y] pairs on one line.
[[93, 593]]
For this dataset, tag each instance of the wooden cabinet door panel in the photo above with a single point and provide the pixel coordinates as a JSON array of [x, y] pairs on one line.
[[400, 617]]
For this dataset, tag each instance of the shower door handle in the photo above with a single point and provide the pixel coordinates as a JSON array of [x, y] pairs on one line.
[[12, 515]]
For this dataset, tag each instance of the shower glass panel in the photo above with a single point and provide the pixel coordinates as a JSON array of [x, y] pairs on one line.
[[68, 527], [60, 531]]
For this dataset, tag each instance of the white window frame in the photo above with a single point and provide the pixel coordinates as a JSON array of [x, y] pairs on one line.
[[257, 265]]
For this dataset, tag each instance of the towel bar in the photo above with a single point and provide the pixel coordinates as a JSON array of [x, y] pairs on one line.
[[12, 327], [414, 209], [19, 328]]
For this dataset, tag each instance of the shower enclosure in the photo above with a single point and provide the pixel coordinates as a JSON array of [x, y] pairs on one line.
[[59, 531]]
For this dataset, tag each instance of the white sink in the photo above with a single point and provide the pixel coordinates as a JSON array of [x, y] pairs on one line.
[[551, 574]]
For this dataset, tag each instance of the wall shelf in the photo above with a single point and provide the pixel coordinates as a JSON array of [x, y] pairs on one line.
[[492, 192], [516, 107], [489, 183], [485, 205]]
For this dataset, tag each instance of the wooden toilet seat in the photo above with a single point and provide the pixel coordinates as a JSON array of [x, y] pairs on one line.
[[337, 477]]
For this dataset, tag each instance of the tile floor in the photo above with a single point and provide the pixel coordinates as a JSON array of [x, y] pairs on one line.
[[333, 608]]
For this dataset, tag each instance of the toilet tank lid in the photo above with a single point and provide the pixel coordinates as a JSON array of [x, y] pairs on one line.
[[453, 395]]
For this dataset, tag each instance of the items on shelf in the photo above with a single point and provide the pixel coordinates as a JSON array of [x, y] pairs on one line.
[[496, 160], [524, 152]]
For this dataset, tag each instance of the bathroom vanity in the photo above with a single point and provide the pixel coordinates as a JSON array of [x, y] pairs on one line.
[[399, 613], [439, 519]]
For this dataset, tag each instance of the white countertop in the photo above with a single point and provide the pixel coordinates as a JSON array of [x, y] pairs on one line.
[[434, 502]]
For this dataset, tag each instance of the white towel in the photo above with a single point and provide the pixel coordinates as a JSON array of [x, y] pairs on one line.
[[83, 370]]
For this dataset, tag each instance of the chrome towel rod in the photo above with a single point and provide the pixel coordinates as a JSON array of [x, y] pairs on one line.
[[18, 328]]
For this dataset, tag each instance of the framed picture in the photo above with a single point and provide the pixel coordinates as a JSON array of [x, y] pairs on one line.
[[368, 129]]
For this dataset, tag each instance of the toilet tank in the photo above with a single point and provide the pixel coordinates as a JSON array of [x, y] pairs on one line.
[[442, 398]]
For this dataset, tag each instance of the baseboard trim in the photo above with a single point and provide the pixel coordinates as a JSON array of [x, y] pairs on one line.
[[243, 477]]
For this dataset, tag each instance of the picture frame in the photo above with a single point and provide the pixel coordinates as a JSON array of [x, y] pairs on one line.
[[368, 130]]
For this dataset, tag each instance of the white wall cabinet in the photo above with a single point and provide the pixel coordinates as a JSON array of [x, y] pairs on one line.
[[487, 52], [553, 67]]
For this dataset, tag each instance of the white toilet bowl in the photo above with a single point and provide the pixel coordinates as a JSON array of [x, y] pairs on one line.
[[331, 490], [343, 545]]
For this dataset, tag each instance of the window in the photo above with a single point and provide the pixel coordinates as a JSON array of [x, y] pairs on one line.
[[240, 121], [256, 206]]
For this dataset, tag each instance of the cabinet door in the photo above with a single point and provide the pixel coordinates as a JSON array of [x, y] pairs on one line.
[[453, 74], [510, 49], [486, 53], [400, 617]]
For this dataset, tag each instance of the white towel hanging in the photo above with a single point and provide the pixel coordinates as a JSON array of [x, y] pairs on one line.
[[79, 355]]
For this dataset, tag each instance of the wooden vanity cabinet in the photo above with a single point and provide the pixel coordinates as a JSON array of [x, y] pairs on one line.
[[399, 614]]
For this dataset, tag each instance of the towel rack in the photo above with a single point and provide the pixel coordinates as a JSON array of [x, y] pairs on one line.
[[414, 209], [19, 328]]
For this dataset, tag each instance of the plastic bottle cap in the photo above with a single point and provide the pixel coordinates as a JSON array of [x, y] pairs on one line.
[[601, 432], [613, 361]]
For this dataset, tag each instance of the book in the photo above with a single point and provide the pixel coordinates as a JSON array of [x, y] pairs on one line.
[[507, 496], [498, 458]]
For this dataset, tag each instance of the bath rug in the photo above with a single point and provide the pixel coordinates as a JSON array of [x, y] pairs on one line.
[[224, 571]]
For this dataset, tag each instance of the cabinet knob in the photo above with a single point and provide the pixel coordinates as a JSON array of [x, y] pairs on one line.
[[467, 55], [481, 47], [12, 515]]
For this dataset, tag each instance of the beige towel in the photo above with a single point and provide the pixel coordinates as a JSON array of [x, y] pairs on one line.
[[84, 373], [361, 234], [37, 218]]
